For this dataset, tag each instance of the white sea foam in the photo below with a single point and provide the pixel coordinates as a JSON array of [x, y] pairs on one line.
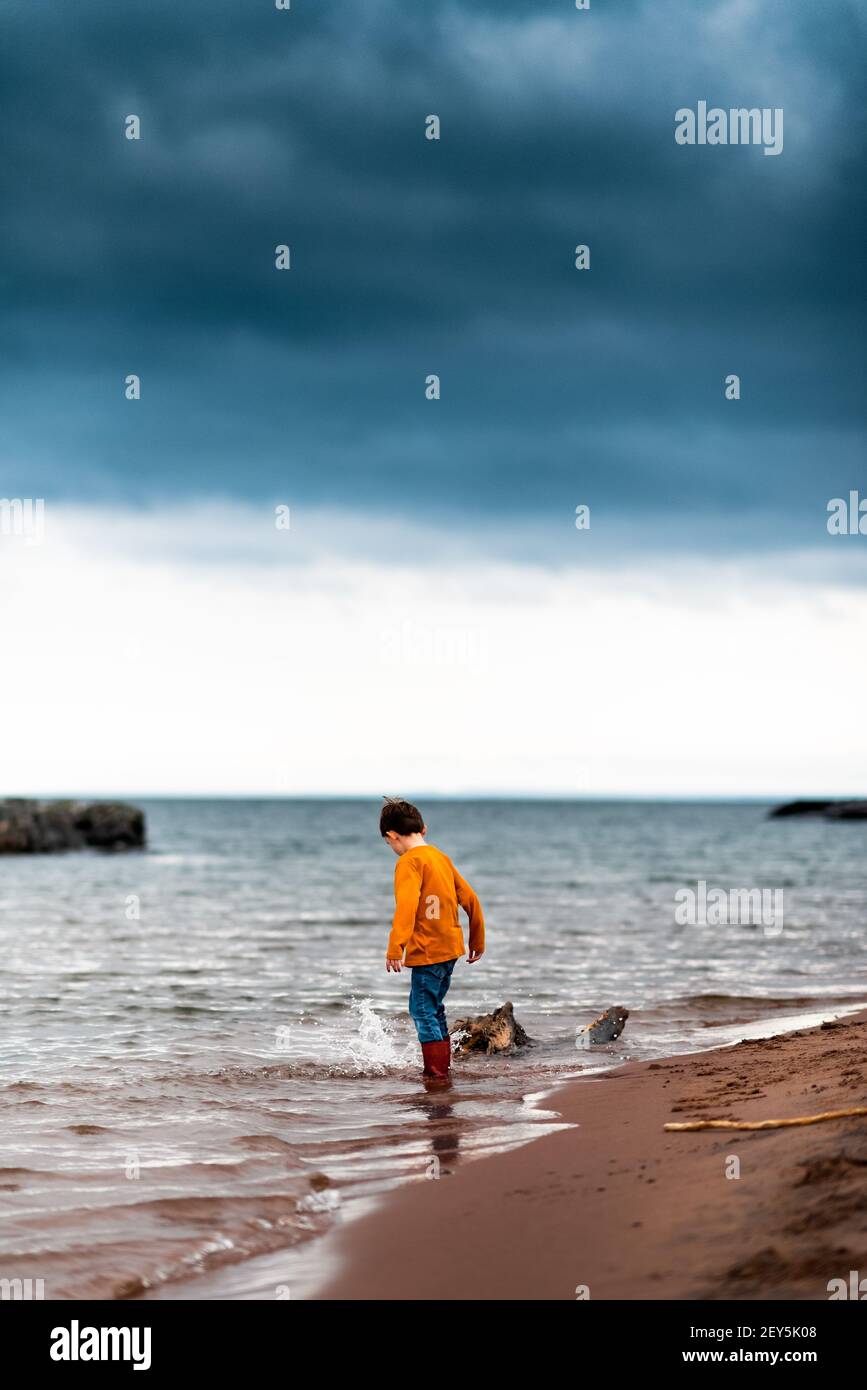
[[375, 1045]]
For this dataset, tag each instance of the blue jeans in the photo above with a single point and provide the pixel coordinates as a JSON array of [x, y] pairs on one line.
[[429, 987]]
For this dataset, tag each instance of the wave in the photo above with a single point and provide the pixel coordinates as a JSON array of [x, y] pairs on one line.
[[762, 1002]]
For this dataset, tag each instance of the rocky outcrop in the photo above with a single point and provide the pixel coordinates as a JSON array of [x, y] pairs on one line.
[[47, 827], [495, 1032], [828, 810]]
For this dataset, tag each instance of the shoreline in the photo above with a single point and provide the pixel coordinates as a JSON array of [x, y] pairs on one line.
[[617, 1206]]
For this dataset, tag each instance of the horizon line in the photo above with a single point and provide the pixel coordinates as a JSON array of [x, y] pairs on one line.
[[480, 795]]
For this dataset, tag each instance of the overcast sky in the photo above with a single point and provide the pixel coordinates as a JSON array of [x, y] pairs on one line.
[[307, 387]]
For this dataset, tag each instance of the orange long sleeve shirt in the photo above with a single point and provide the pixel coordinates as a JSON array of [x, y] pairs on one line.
[[427, 892]]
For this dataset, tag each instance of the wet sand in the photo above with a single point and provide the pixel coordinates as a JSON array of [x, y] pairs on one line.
[[626, 1210]]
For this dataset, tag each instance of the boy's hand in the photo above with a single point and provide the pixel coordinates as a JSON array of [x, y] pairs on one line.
[[474, 956], [393, 965]]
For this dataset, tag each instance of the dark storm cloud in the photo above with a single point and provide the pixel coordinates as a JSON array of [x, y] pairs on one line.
[[456, 257]]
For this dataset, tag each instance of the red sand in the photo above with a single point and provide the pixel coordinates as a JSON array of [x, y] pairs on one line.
[[631, 1211]]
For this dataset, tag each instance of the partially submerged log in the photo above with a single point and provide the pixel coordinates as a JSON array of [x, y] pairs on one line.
[[40, 827], [500, 1031], [605, 1028], [495, 1032]]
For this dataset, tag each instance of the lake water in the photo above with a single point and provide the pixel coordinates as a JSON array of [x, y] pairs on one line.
[[204, 1062]]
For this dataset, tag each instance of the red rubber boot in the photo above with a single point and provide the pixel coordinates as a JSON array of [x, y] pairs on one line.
[[437, 1057]]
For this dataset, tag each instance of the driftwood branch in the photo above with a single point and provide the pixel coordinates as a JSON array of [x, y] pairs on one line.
[[769, 1124]]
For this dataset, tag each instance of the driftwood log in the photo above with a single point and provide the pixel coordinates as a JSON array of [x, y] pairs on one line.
[[501, 1032], [47, 827], [495, 1032], [605, 1028]]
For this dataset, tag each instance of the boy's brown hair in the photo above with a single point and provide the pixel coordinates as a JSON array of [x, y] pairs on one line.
[[400, 816]]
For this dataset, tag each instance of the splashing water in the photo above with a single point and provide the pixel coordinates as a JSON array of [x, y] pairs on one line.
[[375, 1048]]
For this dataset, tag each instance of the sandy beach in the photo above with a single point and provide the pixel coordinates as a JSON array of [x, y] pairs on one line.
[[617, 1207]]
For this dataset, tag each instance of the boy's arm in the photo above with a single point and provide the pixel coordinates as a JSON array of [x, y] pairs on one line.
[[407, 891], [473, 908]]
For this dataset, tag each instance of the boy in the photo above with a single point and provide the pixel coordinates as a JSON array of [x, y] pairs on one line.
[[427, 891]]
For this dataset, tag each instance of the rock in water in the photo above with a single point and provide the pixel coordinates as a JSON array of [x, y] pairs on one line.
[[606, 1027], [800, 808], [46, 827], [495, 1032], [111, 825], [828, 810], [847, 810]]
